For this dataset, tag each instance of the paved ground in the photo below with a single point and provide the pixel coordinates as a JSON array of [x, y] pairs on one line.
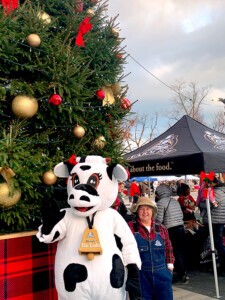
[[201, 286]]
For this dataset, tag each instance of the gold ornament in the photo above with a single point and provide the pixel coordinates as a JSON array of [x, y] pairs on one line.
[[46, 19], [9, 196], [116, 88], [99, 142], [33, 40], [115, 32], [109, 96], [90, 12], [49, 178], [24, 106], [78, 131]]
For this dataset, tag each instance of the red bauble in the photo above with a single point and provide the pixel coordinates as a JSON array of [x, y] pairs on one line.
[[55, 99], [119, 56], [125, 103], [100, 94]]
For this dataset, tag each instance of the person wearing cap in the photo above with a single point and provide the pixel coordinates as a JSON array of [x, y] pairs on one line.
[[155, 250]]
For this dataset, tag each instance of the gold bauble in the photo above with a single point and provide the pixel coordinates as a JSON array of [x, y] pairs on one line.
[[115, 32], [116, 88], [90, 12], [33, 40], [46, 19], [78, 131], [99, 142], [6, 198], [24, 106], [49, 178]]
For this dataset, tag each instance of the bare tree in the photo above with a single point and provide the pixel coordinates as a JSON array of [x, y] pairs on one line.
[[218, 121], [188, 100], [139, 129]]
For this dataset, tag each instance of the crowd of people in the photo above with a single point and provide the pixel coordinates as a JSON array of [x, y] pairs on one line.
[[171, 229]]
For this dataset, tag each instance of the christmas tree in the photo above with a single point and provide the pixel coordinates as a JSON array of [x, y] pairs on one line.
[[61, 93]]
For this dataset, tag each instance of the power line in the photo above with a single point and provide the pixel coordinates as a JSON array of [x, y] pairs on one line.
[[143, 67]]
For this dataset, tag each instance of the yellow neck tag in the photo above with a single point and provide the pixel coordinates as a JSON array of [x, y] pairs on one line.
[[90, 242]]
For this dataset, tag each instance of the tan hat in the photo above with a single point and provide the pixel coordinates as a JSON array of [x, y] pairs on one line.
[[145, 201]]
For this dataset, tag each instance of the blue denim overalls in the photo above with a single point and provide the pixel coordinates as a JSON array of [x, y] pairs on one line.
[[156, 279]]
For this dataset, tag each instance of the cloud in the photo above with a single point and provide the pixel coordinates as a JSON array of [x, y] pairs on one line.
[[171, 39]]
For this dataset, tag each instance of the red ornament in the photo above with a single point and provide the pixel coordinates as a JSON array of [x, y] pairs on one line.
[[100, 94], [125, 103], [119, 56], [55, 99]]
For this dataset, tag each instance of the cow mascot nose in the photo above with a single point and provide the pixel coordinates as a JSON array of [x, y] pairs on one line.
[[88, 263]]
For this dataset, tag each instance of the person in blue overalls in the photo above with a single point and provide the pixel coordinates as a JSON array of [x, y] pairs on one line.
[[155, 251]]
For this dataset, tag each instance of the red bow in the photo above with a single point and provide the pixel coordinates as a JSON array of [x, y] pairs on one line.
[[207, 177], [9, 5], [72, 160], [84, 27]]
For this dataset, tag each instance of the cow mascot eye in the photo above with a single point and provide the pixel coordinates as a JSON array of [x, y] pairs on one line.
[[75, 179], [94, 180]]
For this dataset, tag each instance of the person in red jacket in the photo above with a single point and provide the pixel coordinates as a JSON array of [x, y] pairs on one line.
[[134, 191], [187, 202]]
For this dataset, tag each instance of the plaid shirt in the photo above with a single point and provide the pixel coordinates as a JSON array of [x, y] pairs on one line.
[[145, 234]]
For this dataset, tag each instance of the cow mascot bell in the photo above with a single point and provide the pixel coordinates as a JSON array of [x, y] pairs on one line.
[[97, 257]]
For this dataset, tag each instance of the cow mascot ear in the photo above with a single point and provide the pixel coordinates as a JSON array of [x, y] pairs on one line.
[[61, 170], [117, 171]]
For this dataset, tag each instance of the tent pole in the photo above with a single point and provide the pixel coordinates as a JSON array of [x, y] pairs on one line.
[[212, 245]]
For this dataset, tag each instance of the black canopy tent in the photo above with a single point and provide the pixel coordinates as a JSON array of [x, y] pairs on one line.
[[188, 147]]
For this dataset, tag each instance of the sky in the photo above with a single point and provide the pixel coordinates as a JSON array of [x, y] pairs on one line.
[[172, 40]]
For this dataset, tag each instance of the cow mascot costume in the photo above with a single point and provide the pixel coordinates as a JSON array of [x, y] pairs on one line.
[[97, 257]]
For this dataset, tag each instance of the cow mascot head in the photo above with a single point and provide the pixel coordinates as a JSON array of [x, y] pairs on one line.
[[92, 183], [90, 226]]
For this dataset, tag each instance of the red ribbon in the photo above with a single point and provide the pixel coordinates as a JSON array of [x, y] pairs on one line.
[[9, 5], [72, 159], [84, 27], [207, 177]]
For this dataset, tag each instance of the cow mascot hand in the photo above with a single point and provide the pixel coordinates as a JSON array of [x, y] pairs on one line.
[[88, 263], [51, 215]]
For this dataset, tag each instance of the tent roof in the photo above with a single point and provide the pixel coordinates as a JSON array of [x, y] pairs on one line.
[[188, 147]]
